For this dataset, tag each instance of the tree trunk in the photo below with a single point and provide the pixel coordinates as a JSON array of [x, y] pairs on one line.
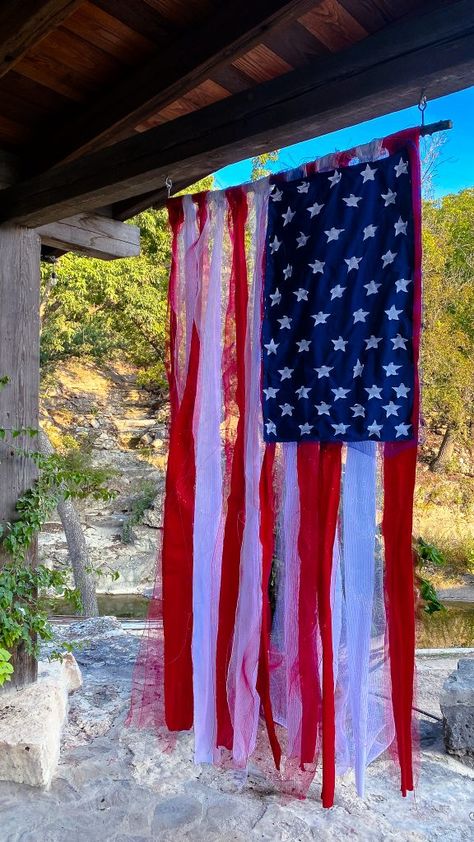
[[76, 544], [445, 452]]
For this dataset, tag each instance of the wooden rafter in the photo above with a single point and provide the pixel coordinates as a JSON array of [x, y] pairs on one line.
[[433, 51], [25, 22], [94, 235], [170, 73]]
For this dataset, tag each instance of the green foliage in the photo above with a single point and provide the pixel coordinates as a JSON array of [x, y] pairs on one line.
[[6, 669], [140, 503], [428, 556], [448, 339], [103, 309], [259, 164], [21, 618]]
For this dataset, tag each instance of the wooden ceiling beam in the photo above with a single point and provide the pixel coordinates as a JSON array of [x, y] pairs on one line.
[[25, 22], [383, 73], [93, 235], [170, 73]]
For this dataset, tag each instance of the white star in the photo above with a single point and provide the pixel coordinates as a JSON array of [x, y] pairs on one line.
[[275, 245], [288, 216], [371, 288], [369, 231], [402, 429], [358, 410], [320, 318], [333, 233], [391, 369], [285, 373], [374, 429], [305, 428], [286, 409], [400, 226], [374, 392], [271, 428], [352, 201], [317, 266], [270, 392], [303, 345], [359, 315], [368, 174], [401, 168], [302, 240], [402, 284], [323, 371], [272, 347], [336, 292], [352, 262], [303, 187], [391, 408], [285, 322], [275, 296], [401, 391], [340, 429], [313, 210], [323, 408], [288, 272], [399, 342], [388, 257], [358, 368], [339, 344], [389, 197], [340, 393], [335, 178], [301, 294], [276, 194], [393, 313], [303, 392], [372, 342]]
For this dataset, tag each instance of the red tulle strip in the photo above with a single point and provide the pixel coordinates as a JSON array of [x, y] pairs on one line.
[[235, 520]]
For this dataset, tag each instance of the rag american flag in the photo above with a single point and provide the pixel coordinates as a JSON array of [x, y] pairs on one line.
[[285, 579]]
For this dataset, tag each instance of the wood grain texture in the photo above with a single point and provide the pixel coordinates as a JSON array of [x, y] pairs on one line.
[[172, 72], [19, 360], [109, 34], [262, 64], [93, 235], [375, 76], [25, 22], [332, 24]]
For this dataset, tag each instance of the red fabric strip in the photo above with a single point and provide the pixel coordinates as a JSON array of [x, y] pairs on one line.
[[399, 485], [177, 553], [267, 522], [329, 489], [235, 519], [308, 471]]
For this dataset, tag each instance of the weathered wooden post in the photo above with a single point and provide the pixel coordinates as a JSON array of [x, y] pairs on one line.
[[20, 250]]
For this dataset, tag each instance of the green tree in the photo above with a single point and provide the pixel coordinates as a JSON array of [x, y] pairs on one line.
[[448, 340], [260, 162]]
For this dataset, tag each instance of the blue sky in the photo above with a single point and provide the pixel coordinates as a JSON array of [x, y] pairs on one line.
[[455, 169]]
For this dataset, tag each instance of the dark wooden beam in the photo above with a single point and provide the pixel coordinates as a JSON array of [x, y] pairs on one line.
[[170, 73], [25, 22], [383, 73]]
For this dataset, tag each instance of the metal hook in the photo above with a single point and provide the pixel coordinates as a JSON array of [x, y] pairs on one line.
[[169, 185], [422, 106]]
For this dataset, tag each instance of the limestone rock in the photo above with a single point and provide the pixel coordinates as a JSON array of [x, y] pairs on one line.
[[31, 722], [457, 707]]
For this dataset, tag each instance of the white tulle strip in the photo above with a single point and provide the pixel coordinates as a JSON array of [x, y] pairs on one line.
[[208, 500], [244, 702]]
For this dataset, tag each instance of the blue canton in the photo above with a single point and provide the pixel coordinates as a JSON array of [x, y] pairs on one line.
[[338, 325]]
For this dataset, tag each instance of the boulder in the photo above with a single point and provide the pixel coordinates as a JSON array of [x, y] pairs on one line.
[[457, 707], [31, 722]]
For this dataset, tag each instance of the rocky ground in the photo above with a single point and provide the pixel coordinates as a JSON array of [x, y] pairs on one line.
[[115, 784]]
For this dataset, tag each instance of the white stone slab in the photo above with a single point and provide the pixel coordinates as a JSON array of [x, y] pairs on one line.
[[31, 722]]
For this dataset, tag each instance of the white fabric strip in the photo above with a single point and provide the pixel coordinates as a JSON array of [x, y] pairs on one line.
[[244, 702], [359, 519], [208, 535]]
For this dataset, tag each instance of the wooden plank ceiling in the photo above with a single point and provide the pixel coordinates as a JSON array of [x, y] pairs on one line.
[[77, 76]]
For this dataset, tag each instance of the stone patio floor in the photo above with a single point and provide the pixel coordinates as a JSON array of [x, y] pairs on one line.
[[114, 784]]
